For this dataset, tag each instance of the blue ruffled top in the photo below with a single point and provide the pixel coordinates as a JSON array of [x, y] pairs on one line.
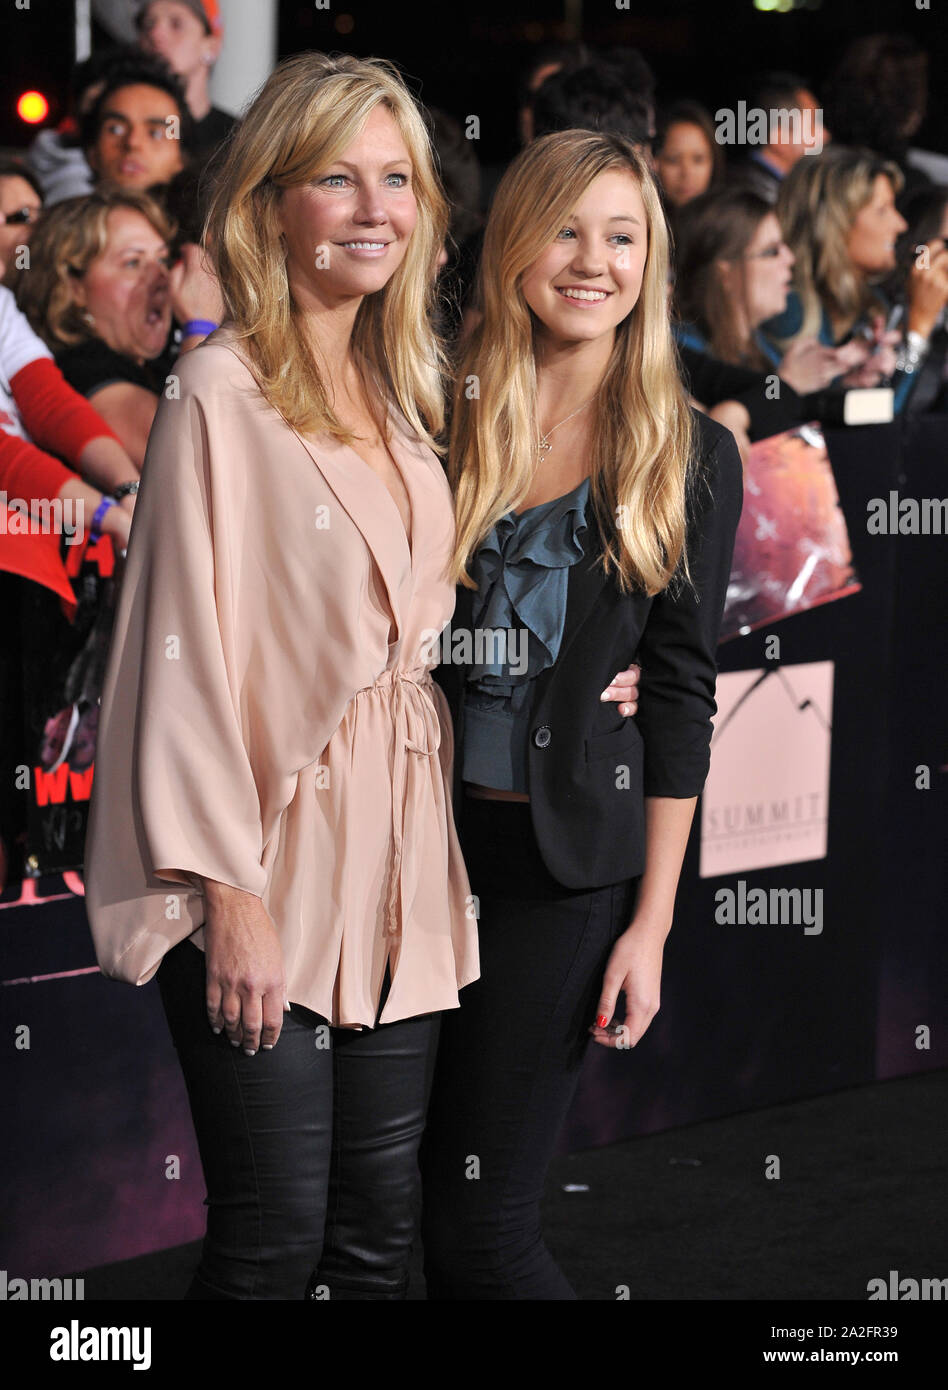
[[519, 609]]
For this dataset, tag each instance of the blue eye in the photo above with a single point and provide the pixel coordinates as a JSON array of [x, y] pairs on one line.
[[623, 237], [330, 177], [404, 179]]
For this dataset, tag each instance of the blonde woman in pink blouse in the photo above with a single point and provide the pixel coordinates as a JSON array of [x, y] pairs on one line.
[[270, 828]]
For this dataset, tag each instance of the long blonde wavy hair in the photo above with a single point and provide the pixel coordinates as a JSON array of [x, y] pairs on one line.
[[817, 204], [642, 436], [307, 112]]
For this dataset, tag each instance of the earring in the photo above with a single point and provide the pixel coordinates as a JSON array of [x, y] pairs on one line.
[[87, 318]]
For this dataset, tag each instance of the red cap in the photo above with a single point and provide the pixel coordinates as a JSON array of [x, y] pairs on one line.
[[207, 11]]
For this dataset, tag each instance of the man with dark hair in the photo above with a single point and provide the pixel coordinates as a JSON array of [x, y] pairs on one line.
[[763, 168], [633, 69], [594, 97], [187, 35], [877, 96], [138, 132], [55, 156], [547, 59]]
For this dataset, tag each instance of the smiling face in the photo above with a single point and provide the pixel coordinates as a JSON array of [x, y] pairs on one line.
[[768, 262], [589, 278], [685, 163], [347, 231], [872, 236], [126, 288], [136, 145]]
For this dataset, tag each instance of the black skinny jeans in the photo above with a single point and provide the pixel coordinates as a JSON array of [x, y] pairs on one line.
[[509, 1060], [309, 1151]]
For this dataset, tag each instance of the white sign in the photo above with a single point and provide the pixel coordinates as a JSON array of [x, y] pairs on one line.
[[767, 795]]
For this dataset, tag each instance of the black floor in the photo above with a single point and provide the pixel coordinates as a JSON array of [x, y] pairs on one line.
[[691, 1214]]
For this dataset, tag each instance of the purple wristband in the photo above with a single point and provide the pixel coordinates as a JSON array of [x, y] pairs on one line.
[[100, 511], [193, 327]]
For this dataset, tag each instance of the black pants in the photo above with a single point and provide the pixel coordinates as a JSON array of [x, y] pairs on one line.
[[309, 1151], [509, 1060]]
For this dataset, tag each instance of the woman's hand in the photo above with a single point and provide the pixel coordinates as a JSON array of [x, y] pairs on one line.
[[104, 463], [879, 364], [809, 366], [635, 968], [195, 291], [624, 689], [246, 986], [928, 289], [116, 524]]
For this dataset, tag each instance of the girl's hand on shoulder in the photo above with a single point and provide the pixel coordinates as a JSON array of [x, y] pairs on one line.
[[624, 690], [635, 970]]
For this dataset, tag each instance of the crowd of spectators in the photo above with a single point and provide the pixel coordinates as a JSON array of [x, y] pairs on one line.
[[812, 254], [814, 257]]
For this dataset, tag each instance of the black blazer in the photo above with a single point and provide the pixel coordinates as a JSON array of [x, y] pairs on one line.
[[590, 768]]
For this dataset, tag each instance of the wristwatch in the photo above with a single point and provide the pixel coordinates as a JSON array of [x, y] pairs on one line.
[[912, 353]]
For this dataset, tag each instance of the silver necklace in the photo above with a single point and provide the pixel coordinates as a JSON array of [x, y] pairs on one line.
[[544, 447]]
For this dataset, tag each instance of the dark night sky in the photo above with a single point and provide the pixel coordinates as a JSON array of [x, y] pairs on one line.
[[466, 58]]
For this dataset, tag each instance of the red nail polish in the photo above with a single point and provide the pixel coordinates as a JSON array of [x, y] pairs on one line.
[[601, 1021]]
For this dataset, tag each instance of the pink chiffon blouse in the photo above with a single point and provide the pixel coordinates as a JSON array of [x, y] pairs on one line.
[[268, 717]]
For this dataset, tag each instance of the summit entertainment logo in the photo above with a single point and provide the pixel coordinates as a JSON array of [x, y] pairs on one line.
[[766, 800]]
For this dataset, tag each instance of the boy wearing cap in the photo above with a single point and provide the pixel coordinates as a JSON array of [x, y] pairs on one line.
[[187, 34]]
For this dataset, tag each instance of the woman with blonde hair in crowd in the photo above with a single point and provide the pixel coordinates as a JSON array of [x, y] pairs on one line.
[[734, 271], [288, 864], [102, 292], [596, 515], [840, 220]]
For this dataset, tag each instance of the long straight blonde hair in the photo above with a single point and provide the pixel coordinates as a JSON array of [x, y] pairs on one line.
[[307, 112], [642, 436], [817, 205]]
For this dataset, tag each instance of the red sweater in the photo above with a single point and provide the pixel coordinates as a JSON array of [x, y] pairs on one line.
[[59, 419]]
